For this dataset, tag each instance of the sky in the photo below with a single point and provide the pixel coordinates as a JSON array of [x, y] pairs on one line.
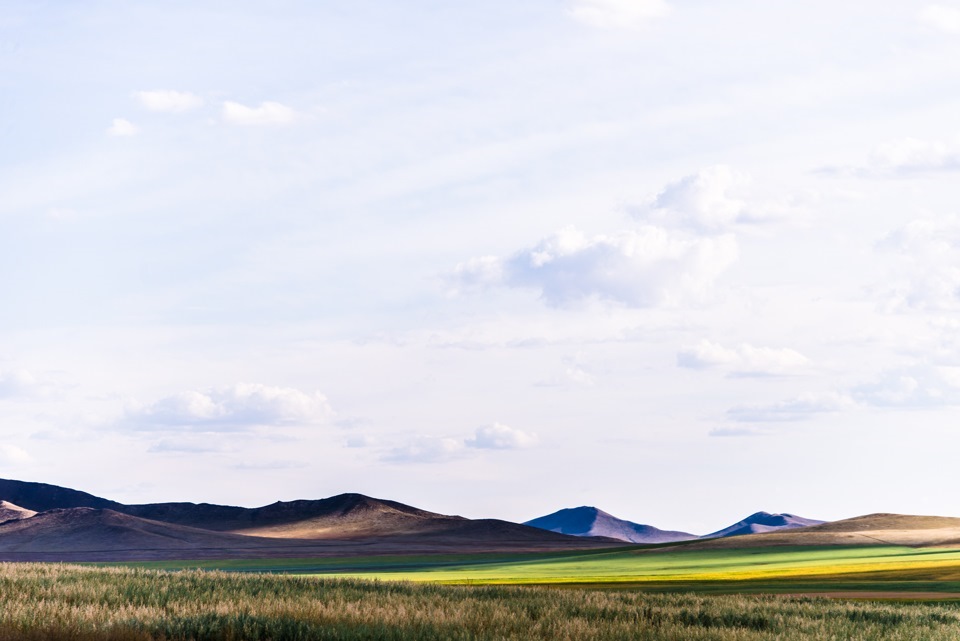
[[680, 260]]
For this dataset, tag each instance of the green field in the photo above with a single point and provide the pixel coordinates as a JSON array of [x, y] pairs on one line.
[[812, 569]]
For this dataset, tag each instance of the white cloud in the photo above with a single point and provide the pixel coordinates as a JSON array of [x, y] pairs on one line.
[[168, 100], [927, 276], [713, 199], [904, 157], [426, 450], [268, 113], [744, 359], [913, 155], [501, 437], [231, 408], [436, 449], [618, 14], [646, 267], [22, 383], [941, 17], [121, 127], [916, 387], [188, 446], [794, 409], [13, 455], [735, 432]]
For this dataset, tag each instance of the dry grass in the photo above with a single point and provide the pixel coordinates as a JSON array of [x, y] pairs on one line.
[[67, 602]]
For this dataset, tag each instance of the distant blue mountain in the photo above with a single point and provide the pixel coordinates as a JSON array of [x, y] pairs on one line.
[[589, 521], [763, 522]]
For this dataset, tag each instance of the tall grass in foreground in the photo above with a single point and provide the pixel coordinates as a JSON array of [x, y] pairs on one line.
[[82, 603]]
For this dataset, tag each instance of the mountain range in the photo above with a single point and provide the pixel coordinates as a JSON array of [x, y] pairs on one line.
[[46, 522], [590, 521], [40, 522]]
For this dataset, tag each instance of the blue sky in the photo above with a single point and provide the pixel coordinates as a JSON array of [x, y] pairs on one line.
[[679, 260]]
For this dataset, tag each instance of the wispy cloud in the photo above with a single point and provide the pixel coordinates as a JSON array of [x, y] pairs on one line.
[[794, 409], [122, 128], [14, 455], [169, 101], [618, 14], [742, 360], [268, 113], [943, 17], [501, 437], [434, 449]]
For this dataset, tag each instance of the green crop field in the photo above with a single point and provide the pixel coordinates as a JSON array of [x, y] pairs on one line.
[[814, 569]]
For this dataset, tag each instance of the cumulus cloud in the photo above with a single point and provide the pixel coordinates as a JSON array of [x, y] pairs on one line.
[[743, 359], [268, 113], [927, 276], [713, 199], [232, 408], [168, 101], [794, 409], [646, 267], [618, 14], [501, 437], [943, 17], [13, 455], [122, 127]]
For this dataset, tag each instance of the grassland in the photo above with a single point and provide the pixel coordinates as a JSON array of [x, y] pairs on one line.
[[136, 604]]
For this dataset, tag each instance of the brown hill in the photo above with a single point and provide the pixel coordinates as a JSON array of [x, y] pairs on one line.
[[85, 533], [341, 516], [872, 529], [11, 512]]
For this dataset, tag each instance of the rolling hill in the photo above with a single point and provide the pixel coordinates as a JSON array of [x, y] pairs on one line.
[[872, 529], [590, 521]]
